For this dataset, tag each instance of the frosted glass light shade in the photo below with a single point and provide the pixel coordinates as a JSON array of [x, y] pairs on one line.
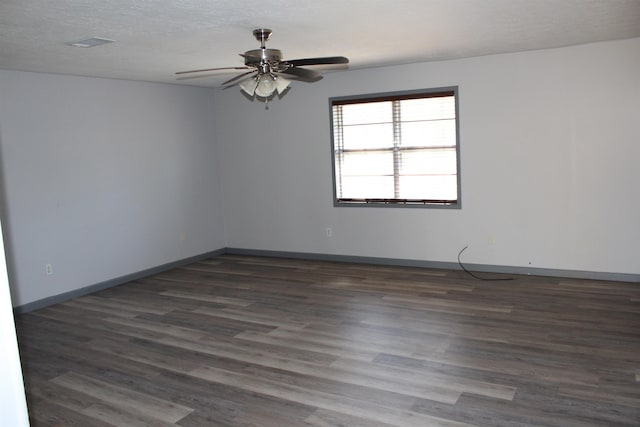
[[282, 84], [266, 86], [248, 86]]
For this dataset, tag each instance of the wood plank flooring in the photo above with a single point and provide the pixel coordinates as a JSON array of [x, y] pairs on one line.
[[257, 341]]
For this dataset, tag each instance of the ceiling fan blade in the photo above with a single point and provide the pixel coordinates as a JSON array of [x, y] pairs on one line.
[[251, 54], [318, 61], [211, 69], [303, 74], [200, 76], [237, 78]]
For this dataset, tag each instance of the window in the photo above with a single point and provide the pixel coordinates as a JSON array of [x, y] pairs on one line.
[[397, 149]]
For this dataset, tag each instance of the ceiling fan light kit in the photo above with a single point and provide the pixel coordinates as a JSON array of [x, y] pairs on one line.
[[267, 70], [265, 85]]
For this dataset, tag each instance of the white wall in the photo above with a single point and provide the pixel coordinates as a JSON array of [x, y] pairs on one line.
[[550, 144], [13, 405], [103, 178]]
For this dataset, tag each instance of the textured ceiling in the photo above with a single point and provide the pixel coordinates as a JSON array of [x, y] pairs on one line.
[[155, 38]]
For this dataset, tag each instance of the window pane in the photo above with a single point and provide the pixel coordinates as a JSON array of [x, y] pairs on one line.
[[437, 187], [429, 161], [367, 136], [369, 163], [367, 113], [366, 174], [428, 108], [367, 187], [438, 133]]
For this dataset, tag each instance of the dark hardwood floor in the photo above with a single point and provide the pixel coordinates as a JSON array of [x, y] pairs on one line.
[[252, 341]]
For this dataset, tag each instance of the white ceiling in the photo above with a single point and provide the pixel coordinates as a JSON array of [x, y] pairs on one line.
[[156, 38]]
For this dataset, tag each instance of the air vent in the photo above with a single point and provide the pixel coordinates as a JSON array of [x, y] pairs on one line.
[[92, 42]]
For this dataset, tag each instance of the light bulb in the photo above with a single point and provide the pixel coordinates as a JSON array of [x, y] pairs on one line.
[[266, 86]]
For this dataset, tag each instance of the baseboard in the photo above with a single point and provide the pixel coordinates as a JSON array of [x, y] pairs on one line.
[[400, 262], [485, 268], [57, 299]]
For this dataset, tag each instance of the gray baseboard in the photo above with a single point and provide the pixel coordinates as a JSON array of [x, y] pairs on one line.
[[501, 269], [570, 274], [56, 299]]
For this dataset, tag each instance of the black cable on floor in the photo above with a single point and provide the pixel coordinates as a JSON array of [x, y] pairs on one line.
[[476, 276]]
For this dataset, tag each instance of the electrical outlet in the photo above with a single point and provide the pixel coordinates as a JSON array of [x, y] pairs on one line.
[[48, 269], [329, 232]]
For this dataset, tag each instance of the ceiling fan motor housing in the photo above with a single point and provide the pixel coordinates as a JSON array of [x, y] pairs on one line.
[[263, 59], [254, 58]]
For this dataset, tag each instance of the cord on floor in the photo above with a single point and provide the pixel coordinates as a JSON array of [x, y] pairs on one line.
[[476, 276]]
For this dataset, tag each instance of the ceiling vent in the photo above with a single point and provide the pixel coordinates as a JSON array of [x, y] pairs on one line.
[[92, 42]]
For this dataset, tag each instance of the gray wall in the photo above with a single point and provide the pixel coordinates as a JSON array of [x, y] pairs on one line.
[[103, 178], [550, 144], [106, 178]]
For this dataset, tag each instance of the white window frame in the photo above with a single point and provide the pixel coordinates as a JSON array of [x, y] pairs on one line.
[[336, 149]]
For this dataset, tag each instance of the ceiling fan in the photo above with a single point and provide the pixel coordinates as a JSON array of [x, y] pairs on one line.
[[268, 72]]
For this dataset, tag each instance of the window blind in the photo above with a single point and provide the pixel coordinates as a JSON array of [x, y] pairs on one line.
[[396, 149]]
